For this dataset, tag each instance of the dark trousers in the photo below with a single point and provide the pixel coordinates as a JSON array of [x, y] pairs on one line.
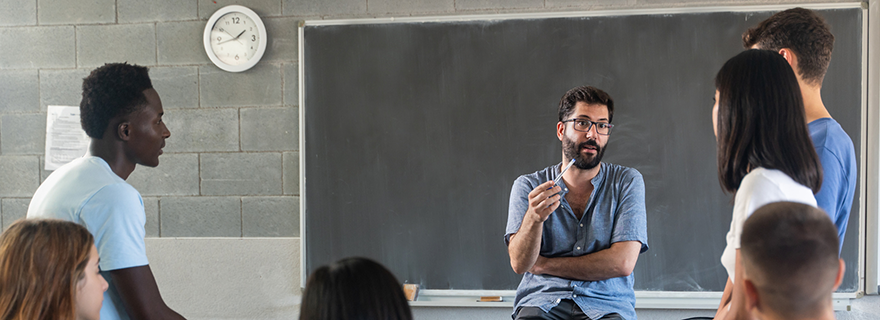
[[565, 310]]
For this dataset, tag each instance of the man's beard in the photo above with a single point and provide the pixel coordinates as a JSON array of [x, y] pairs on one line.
[[583, 162]]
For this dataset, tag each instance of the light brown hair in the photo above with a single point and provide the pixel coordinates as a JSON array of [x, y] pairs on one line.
[[41, 262], [789, 251]]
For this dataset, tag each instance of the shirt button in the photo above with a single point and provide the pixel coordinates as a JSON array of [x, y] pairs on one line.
[[558, 300], [579, 248], [575, 296], [582, 225]]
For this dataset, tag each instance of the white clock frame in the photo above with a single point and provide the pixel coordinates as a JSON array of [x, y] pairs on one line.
[[261, 29]]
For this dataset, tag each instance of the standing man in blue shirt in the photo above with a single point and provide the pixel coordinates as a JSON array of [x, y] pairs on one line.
[[803, 38], [122, 114], [576, 243]]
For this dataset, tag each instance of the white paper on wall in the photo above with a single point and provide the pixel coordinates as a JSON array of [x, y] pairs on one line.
[[65, 138]]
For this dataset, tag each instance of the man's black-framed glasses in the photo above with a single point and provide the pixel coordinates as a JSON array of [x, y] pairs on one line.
[[584, 125]]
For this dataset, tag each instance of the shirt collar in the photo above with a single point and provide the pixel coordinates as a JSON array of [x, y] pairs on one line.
[[597, 180]]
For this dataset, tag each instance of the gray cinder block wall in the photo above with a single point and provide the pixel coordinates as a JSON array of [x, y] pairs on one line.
[[234, 137], [223, 205]]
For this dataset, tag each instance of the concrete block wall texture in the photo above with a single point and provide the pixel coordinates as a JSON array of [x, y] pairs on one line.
[[202, 130], [20, 90], [134, 43], [151, 209], [177, 175], [19, 13], [222, 208], [230, 131], [262, 218], [13, 209], [19, 176], [179, 85], [37, 47], [200, 216], [76, 12], [22, 133], [180, 43], [61, 87], [265, 8], [156, 10]]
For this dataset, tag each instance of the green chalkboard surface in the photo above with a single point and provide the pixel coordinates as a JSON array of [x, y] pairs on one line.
[[414, 133]]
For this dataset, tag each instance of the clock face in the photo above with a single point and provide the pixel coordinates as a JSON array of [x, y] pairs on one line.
[[235, 38]]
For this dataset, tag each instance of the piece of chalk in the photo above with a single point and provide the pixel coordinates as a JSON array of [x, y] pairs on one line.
[[490, 299], [556, 181]]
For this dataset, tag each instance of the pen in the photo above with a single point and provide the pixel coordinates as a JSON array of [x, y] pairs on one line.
[[555, 181]]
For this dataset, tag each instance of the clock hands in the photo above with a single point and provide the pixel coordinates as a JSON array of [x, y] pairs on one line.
[[225, 41], [234, 38]]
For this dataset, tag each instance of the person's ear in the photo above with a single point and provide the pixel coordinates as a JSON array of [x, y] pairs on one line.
[[123, 130], [789, 56], [840, 272], [752, 301], [560, 130]]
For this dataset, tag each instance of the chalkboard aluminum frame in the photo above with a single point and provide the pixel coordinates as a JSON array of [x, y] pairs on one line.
[[869, 219], [872, 222]]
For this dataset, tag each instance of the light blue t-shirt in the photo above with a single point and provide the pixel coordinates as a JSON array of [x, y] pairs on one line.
[[88, 192], [840, 171], [615, 213]]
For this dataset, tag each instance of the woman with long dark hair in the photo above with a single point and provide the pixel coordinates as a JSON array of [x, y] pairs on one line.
[[764, 149], [49, 271]]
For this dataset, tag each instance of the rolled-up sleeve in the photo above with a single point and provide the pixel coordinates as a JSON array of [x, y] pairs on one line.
[[631, 219], [519, 203]]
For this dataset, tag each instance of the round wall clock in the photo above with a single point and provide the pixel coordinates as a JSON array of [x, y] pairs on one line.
[[235, 38]]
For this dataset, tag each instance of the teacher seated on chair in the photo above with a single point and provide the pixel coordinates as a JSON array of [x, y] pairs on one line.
[[576, 239]]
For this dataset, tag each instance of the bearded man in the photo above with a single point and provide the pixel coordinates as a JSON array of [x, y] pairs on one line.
[[576, 241]]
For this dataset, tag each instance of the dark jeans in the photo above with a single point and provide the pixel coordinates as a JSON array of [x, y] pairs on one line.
[[565, 310]]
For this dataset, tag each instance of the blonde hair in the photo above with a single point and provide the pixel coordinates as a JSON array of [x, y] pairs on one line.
[[41, 262]]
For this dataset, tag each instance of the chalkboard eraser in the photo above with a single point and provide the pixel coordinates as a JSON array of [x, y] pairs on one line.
[[490, 299], [411, 291]]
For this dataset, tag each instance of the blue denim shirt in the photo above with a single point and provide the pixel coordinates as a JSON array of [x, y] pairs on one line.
[[615, 213]]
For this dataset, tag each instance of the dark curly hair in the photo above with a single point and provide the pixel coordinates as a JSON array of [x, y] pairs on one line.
[[111, 91], [801, 30], [588, 95]]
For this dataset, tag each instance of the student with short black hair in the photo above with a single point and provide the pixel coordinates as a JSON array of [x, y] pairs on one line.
[[354, 288], [790, 262], [122, 114]]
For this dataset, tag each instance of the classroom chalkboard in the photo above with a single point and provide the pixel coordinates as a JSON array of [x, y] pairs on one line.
[[414, 133]]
